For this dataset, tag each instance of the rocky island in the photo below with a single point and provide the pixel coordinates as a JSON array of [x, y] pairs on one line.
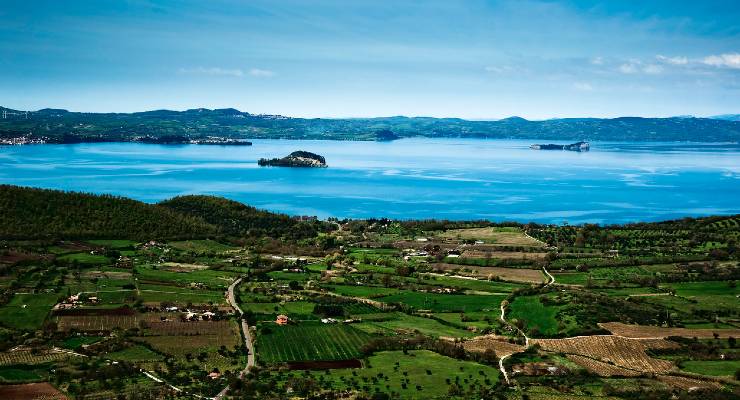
[[304, 159], [578, 146]]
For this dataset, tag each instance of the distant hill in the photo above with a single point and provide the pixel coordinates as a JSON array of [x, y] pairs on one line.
[[62, 126]]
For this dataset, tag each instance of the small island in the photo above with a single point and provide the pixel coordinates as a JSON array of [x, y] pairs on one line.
[[578, 146], [301, 159]]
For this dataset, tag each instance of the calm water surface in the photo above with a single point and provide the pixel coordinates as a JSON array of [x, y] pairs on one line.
[[410, 178]]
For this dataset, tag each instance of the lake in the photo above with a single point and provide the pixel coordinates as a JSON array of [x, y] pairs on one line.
[[456, 179]]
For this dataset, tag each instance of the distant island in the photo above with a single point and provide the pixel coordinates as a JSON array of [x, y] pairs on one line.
[[221, 126], [578, 146], [301, 159]]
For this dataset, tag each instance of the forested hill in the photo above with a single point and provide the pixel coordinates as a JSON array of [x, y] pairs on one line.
[[237, 219], [62, 126], [28, 213]]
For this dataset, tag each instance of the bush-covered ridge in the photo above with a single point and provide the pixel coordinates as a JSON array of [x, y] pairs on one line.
[[237, 219], [30, 213]]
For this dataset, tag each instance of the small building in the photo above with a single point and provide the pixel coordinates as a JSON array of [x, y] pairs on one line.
[[282, 319]]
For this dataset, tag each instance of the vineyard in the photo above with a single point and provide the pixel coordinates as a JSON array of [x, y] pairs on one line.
[[496, 343], [31, 357], [310, 342], [96, 322], [601, 368], [176, 327], [621, 352], [643, 331]]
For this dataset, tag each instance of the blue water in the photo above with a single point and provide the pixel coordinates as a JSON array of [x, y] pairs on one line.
[[410, 178]]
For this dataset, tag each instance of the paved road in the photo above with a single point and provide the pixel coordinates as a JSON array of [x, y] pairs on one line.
[[247, 337]]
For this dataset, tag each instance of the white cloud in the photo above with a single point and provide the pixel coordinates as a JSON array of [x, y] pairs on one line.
[[652, 69], [636, 67], [583, 86], [628, 68], [261, 73], [728, 60], [597, 61], [213, 71], [499, 70], [672, 60]]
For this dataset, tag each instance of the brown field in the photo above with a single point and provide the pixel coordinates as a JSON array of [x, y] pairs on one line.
[[182, 338], [619, 351], [96, 322], [27, 356], [644, 331], [601, 368], [107, 274], [492, 236], [687, 383], [175, 327], [496, 343], [182, 267], [179, 345], [507, 274], [508, 255], [31, 391]]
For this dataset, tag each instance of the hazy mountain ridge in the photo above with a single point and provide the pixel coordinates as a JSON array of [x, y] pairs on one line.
[[62, 126]]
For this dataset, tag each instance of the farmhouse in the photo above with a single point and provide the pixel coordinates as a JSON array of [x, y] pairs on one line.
[[282, 319]]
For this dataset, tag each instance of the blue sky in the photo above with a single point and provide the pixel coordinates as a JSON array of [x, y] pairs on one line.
[[469, 59]]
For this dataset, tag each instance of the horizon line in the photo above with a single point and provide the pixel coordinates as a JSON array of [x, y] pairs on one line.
[[483, 119]]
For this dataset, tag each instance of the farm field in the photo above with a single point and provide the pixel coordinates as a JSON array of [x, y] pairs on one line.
[[711, 367], [400, 323], [535, 315], [638, 331], [446, 302], [417, 374], [646, 310], [27, 311], [497, 236], [520, 275], [621, 352], [40, 391], [310, 342]]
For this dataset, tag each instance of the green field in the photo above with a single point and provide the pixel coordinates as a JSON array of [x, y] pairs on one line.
[[361, 291], [30, 317], [86, 258], [446, 302], [135, 353], [17, 374], [181, 295], [712, 368], [399, 374], [213, 279], [470, 284], [113, 243], [393, 323], [310, 342], [534, 314]]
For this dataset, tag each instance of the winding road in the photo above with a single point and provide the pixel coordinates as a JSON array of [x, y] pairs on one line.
[[247, 337]]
